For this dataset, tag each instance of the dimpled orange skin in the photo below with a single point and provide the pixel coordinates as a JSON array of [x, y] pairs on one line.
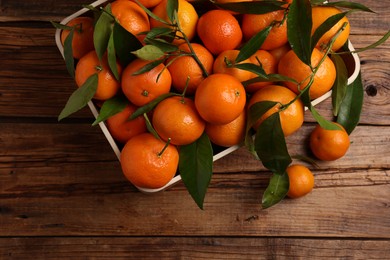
[[143, 88], [82, 41], [219, 30], [88, 65], [186, 66], [131, 16], [177, 118], [290, 65], [253, 23], [220, 98], [143, 166], [301, 181], [220, 66], [121, 128], [329, 145], [291, 118]]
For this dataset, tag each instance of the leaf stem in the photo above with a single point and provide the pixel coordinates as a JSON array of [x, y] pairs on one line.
[[164, 148]]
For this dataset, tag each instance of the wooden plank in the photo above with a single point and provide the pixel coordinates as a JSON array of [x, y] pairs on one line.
[[191, 248], [65, 180]]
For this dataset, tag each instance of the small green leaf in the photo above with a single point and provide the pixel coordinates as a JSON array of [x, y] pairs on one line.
[[299, 25], [269, 78], [149, 52], [111, 56], [326, 124], [102, 32], [350, 5], [351, 107], [80, 97], [160, 31], [377, 43], [125, 42], [111, 107], [270, 144], [340, 85], [255, 7], [152, 104], [150, 128], [68, 53], [257, 69], [196, 167], [253, 45], [256, 111], [172, 8], [277, 189], [325, 27], [148, 67]]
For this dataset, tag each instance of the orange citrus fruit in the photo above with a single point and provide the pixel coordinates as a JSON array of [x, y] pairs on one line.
[[290, 65], [219, 30], [88, 65], [229, 134], [301, 180], [131, 16], [220, 98], [269, 65], [149, 3], [329, 145], [291, 118], [176, 118], [187, 15], [145, 162], [319, 15], [82, 41], [229, 57], [279, 52], [121, 128], [253, 23], [142, 88], [186, 66]]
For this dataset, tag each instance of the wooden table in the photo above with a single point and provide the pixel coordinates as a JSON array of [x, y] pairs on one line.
[[62, 193]]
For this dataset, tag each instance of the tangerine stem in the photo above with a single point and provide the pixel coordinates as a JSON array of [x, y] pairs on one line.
[[164, 148]]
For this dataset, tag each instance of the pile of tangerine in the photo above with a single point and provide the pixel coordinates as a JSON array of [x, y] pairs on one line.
[[215, 100]]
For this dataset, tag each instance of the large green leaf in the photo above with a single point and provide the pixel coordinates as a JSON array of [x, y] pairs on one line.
[[270, 145], [340, 86], [196, 167], [299, 25], [351, 107], [102, 32], [111, 107], [277, 189], [124, 43], [68, 53], [80, 97], [255, 7], [253, 45]]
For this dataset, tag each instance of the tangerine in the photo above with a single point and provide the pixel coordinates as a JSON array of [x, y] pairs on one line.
[[301, 180], [224, 63], [220, 98], [148, 162]]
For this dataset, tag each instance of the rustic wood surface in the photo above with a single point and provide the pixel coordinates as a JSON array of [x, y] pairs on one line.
[[62, 194]]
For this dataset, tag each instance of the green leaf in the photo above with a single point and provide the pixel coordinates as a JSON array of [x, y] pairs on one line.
[[149, 52], [350, 5], [299, 25], [125, 42], [351, 107], [61, 26], [326, 124], [269, 78], [253, 45], [111, 107], [377, 43], [163, 45], [102, 32], [150, 128], [151, 14], [111, 56], [340, 85], [270, 145], [256, 111], [160, 31], [148, 67], [257, 69], [172, 8], [80, 97], [325, 27], [255, 7], [152, 104], [68, 53], [277, 189], [196, 167]]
